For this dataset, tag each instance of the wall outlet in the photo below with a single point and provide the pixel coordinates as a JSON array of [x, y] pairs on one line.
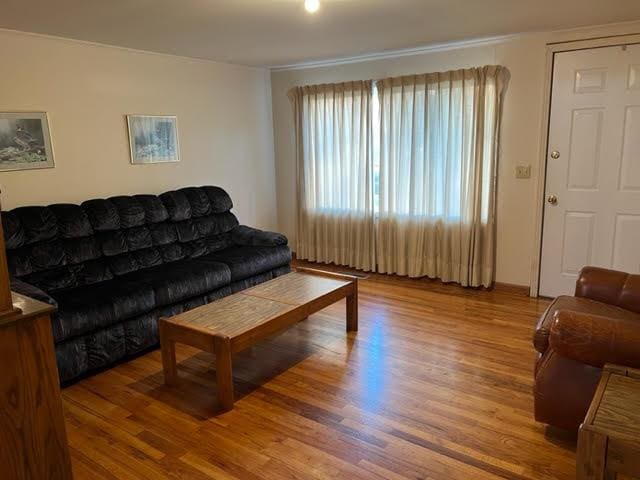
[[523, 171]]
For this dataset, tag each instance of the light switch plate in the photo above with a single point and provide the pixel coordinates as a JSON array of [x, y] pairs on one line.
[[523, 171]]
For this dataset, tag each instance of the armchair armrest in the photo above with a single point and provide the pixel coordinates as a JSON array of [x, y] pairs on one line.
[[252, 237], [610, 286], [595, 340]]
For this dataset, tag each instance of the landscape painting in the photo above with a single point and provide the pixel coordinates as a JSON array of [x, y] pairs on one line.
[[153, 139], [25, 142]]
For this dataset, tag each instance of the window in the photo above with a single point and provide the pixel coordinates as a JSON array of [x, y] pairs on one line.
[[418, 153]]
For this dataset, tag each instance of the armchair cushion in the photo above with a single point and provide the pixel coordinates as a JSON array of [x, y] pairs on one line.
[[575, 304], [596, 340], [252, 237]]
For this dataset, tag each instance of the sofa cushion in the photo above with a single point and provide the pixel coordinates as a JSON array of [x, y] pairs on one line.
[[72, 221], [575, 304], [38, 223], [154, 210], [244, 261], [130, 211], [102, 214], [14, 235], [198, 200], [177, 281], [249, 236], [220, 200], [177, 204], [215, 224], [91, 307], [82, 249]]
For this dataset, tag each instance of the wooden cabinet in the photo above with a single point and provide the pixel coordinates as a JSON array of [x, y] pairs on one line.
[[32, 433], [33, 440], [609, 438]]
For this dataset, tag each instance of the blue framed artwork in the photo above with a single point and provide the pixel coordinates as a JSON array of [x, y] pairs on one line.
[[153, 138]]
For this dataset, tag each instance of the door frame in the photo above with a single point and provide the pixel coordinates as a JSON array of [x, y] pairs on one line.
[[541, 178]]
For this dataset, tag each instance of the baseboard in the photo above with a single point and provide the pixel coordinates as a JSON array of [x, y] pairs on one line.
[[510, 288]]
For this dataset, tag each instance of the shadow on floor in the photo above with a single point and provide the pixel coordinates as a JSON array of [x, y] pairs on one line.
[[561, 438], [196, 392]]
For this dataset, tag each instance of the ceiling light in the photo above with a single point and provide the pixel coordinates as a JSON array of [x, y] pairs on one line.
[[312, 6]]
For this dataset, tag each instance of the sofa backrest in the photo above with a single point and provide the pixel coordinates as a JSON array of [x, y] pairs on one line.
[[65, 246]]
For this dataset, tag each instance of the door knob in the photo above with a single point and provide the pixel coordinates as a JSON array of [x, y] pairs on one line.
[[555, 154], [552, 199]]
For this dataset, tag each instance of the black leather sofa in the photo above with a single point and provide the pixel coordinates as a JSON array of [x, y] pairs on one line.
[[114, 266]]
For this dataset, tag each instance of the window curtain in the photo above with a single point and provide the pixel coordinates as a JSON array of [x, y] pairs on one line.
[[438, 156], [335, 173]]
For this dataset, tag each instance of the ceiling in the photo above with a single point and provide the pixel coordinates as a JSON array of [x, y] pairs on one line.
[[280, 32]]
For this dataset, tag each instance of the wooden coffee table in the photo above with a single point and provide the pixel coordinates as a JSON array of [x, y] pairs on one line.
[[239, 321], [609, 438]]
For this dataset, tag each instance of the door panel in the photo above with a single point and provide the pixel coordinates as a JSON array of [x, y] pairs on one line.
[[630, 171], [577, 245], [584, 148], [595, 130], [590, 80], [626, 250]]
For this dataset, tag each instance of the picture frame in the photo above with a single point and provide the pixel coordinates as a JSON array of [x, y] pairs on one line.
[[153, 139], [25, 141]]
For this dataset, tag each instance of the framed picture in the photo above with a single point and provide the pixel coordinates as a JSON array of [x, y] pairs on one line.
[[153, 138], [25, 141]]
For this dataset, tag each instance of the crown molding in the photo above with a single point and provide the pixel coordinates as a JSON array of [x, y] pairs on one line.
[[404, 52]]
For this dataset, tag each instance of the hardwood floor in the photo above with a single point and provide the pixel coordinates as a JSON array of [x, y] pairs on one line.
[[435, 385]]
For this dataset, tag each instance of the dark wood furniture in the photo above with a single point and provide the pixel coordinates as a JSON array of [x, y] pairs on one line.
[[609, 438], [237, 322], [33, 440]]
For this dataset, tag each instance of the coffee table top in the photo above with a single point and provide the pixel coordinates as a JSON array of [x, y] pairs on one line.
[[296, 288], [242, 313]]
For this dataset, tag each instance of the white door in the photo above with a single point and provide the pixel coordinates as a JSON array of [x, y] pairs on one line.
[[592, 195]]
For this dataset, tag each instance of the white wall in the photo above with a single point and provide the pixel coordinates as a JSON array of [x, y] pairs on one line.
[[522, 128], [224, 123]]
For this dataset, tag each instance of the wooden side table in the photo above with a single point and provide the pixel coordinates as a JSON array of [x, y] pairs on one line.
[[609, 438]]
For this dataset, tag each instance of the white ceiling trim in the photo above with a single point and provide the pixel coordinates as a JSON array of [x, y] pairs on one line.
[[405, 52]]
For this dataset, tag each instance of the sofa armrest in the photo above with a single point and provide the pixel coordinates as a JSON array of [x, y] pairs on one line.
[[32, 291], [595, 340], [610, 286], [252, 237]]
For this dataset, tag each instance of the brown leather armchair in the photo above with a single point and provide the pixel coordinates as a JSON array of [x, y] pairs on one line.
[[577, 336]]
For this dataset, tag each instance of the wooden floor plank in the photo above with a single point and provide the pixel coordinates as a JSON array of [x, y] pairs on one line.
[[435, 385]]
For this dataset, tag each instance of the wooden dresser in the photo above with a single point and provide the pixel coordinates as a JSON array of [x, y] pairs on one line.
[[33, 440]]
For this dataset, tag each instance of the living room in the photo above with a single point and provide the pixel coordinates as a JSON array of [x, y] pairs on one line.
[[320, 239]]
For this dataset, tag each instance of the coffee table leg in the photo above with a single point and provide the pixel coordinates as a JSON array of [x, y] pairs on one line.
[[352, 309], [168, 348], [224, 372]]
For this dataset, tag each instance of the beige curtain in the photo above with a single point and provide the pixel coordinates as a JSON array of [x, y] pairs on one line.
[[438, 156], [335, 174]]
